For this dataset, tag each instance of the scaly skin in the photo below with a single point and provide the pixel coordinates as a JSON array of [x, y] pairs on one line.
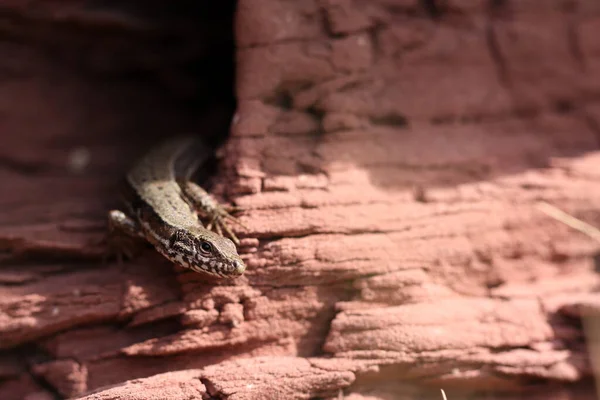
[[163, 208]]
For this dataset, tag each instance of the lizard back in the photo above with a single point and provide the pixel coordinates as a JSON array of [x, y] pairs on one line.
[[154, 179]]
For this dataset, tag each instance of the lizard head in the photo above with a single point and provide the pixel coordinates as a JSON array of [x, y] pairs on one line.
[[204, 251]]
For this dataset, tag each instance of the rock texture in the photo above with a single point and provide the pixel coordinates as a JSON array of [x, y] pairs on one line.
[[390, 156]]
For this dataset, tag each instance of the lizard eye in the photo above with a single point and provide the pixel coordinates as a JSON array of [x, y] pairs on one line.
[[206, 247]]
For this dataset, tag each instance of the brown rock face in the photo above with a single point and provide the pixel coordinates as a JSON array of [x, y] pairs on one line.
[[390, 156]]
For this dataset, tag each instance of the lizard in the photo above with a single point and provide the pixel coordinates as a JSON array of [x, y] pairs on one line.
[[163, 204]]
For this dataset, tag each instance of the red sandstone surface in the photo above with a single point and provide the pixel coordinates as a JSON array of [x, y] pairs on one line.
[[390, 156]]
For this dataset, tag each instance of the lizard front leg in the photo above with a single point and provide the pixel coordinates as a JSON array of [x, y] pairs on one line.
[[217, 214], [120, 225], [121, 222]]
